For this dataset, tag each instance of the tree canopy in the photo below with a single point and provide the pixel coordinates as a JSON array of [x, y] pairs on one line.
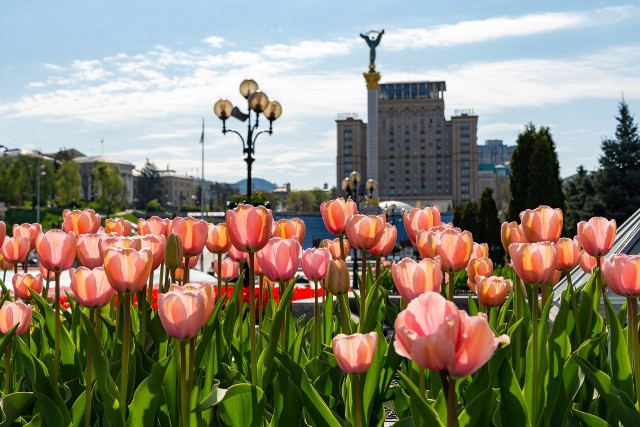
[[68, 183], [108, 186]]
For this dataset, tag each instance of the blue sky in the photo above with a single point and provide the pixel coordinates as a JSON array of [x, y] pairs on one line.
[[141, 75]]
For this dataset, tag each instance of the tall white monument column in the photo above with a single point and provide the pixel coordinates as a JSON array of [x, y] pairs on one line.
[[372, 78]]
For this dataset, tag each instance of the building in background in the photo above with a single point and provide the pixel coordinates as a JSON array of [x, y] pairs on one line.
[[87, 163], [423, 157], [495, 152], [494, 158]]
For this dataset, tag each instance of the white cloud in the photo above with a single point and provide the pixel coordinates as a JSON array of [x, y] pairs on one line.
[[214, 41], [308, 49]]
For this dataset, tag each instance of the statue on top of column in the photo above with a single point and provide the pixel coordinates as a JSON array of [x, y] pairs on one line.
[[373, 40]]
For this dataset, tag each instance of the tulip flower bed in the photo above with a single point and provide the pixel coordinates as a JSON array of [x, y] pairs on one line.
[[125, 349]]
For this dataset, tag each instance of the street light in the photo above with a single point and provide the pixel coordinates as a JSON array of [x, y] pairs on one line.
[[257, 102], [40, 174], [351, 186]]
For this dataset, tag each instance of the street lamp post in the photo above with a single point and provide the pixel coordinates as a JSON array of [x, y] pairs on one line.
[[257, 102], [40, 173], [351, 186]]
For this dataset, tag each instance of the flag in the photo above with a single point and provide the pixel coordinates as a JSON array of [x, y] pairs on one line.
[[202, 136]]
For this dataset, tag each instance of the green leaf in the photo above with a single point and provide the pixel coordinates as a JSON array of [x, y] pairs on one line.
[[621, 407], [618, 355], [286, 396], [78, 409], [428, 414], [480, 410], [589, 420], [242, 405], [54, 415], [14, 405], [513, 409], [148, 395], [6, 339], [473, 307]]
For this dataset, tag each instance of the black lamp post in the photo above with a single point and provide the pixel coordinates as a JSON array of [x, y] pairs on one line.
[[351, 186], [257, 102]]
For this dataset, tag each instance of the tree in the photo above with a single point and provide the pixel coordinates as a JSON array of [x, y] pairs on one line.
[[68, 183], [300, 201], [535, 173], [10, 188], [108, 185], [489, 225], [466, 216], [583, 199], [148, 185], [620, 168]]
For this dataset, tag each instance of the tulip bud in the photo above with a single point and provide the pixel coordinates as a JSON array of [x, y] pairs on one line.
[[173, 252], [337, 279]]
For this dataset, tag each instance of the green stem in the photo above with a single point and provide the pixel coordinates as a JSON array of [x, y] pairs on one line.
[[191, 367], [378, 262], [185, 276], [87, 381], [142, 306], [342, 255], [358, 399], [56, 349], [534, 323], [602, 289], [260, 312], [517, 306], [451, 286], [632, 306], [252, 320], [316, 319], [126, 342], [219, 272], [344, 310], [574, 306], [7, 369], [452, 417], [363, 292], [184, 414]]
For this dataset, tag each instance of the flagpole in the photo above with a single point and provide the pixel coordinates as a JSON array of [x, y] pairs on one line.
[[202, 191]]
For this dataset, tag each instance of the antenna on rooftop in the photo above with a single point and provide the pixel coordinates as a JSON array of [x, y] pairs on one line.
[[102, 147]]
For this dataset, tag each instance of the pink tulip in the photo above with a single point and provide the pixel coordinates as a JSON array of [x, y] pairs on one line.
[[542, 224], [492, 291], [387, 241], [122, 242], [587, 262], [3, 231], [364, 231], [480, 250], [88, 250], [437, 336], [315, 263], [56, 249], [427, 246], [206, 289], [156, 244], [354, 353], [46, 274], [534, 262], [249, 227], [28, 230], [119, 226], [153, 225], [230, 268], [478, 267], [14, 313], [91, 286], [511, 232], [80, 222], [289, 228], [217, 238], [333, 245], [622, 274], [22, 282], [182, 313], [127, 269], [237, 255], [420, 219], [414, 278], [192, 232], [15, 249], [568, 251], [597, 235], [453, 248], [280, 259], [336, 212]]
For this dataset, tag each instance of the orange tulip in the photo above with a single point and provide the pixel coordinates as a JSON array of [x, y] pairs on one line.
[[123, 242], [120, 226], [288, 228], [205, 288], [387, 241], [568, 253], [334, 247], [28, 230], [15, 313], [542, 224], [237, 255], [587, 262], [452, 246], [354, 353], [56, 249], [91, 286], [534, 262], [80, 222], [23, 282], [249, 227], [15, 249], [337, 279], [156, 244], [4, 265], [230, 268], [480, 250], [420, 219], [88, 250], [192, 232], [414, 278], [478, 267], [217, 238], [153, 225], [493, 291], [364, 231], [3, 231], [182, 313], [597, 235], [622, 274], [280, 259], [335, 213], [511, 232], [127, 269]]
